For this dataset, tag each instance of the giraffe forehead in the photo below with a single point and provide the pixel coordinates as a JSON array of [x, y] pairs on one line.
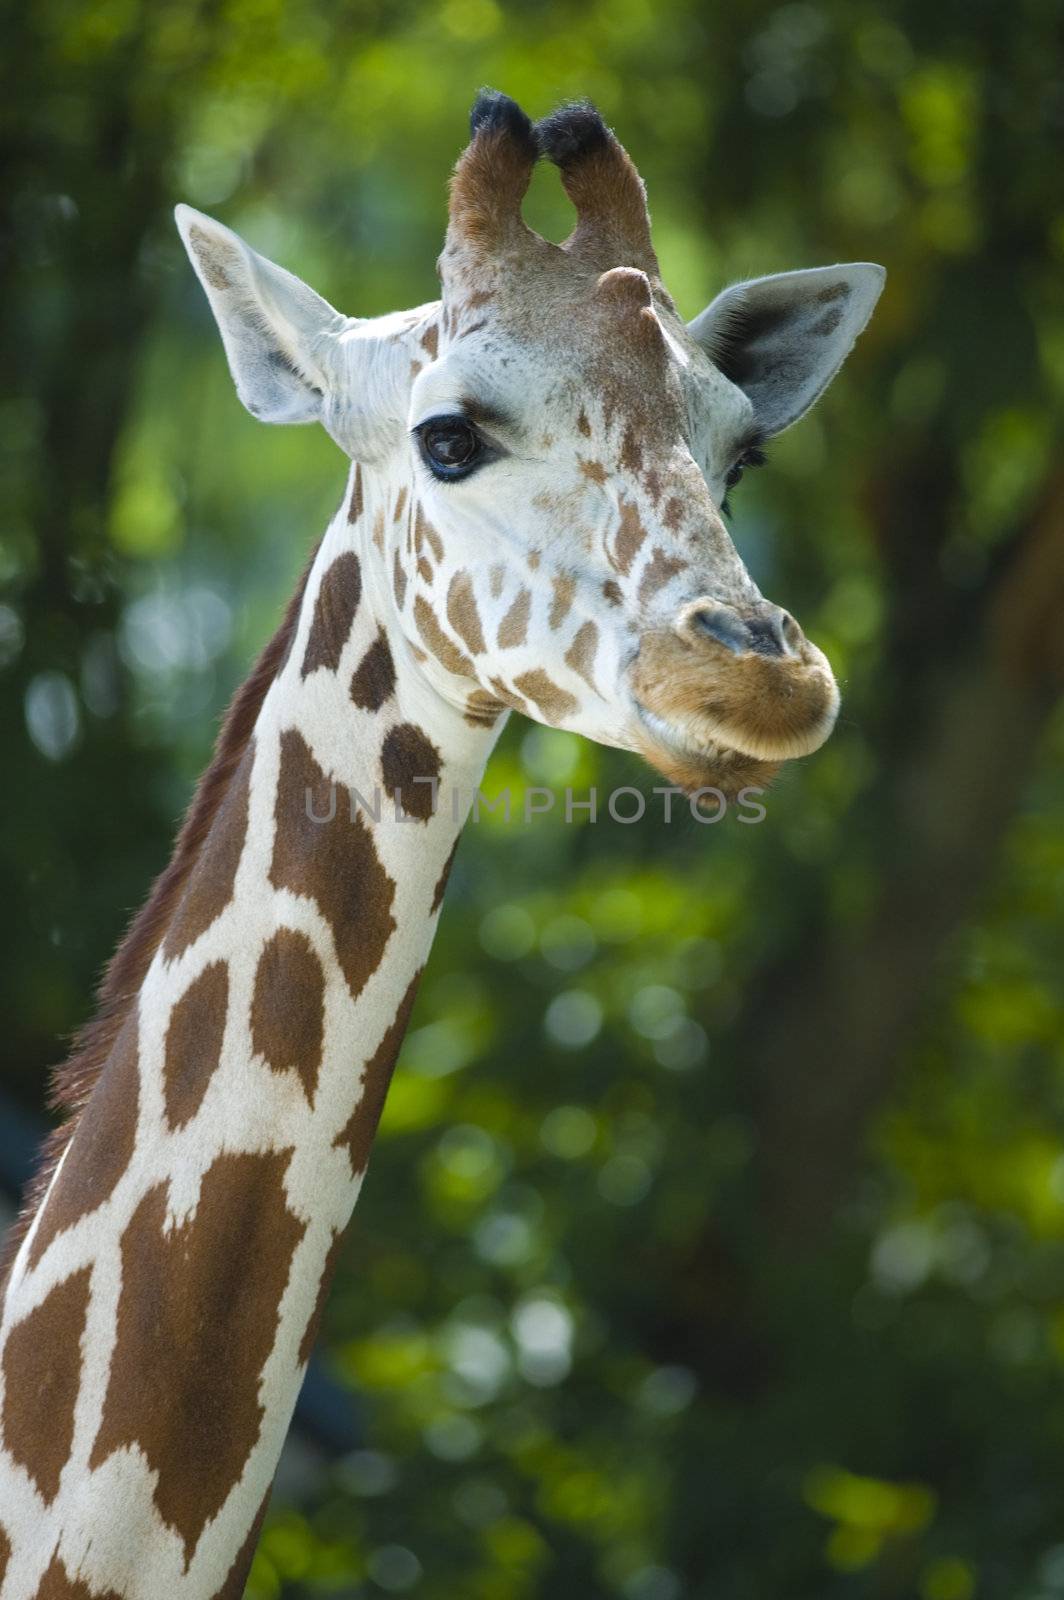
[[554, 336], [519, 376]]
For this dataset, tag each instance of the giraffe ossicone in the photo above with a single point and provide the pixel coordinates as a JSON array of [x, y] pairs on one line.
[[532, 522]]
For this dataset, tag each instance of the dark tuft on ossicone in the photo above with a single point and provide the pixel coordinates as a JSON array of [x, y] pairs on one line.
[[571, 133], [494, 112]]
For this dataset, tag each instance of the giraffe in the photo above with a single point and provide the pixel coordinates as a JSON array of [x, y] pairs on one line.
[[531, 522]]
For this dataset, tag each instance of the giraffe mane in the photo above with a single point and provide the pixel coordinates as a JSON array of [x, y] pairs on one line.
[[73, 1081]]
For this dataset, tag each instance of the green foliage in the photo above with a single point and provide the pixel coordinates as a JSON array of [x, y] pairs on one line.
[[714, 1241]]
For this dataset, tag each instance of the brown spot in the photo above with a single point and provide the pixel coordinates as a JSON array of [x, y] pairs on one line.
[[659, 569], [497, 577], [581, 653], [415, 368], [672, 515], [507, 696], [194, 1043], [210, 885], [548, 441], [411, 766], [533, 559], [400, 504], [378, 530], [430, 341], [361, 1126], [564, 588], [630, 536], [583, 424], [423, 529], [189, 1351], [478, 298], [482, 709], [611, 592], [101, 1147], [441, 646], [374, 679], [471, 327], [334, 612], [354, 509], [593, 471], [424, 567], [441, 881], [236, 1579], [288, 1008], [333, 862], [554, 702], [42, 1377], [398, 580], [513, 629], [835, 291], [631, 450], [5, 1554], [310, 1332], [57, 1584]]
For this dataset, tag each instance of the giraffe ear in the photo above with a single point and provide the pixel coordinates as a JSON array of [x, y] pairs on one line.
[[280, 337], [782, 339]]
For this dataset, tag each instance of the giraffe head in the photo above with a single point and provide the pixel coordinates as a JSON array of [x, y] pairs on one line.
[[547, 452]]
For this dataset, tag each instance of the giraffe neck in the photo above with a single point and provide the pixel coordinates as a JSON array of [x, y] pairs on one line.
[[160, 1311]]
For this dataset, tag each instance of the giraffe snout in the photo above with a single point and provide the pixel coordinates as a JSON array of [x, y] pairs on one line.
[[741, 676]]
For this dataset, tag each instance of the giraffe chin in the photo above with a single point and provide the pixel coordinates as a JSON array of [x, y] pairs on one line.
[[708, 765]]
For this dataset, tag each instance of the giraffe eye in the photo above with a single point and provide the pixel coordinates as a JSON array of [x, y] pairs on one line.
[[450, 446]]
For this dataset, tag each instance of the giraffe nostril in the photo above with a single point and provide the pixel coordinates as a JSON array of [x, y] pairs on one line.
[[766, 632], [724, 625], [792, 633]]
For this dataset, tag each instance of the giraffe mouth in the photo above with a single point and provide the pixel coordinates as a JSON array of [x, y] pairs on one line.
[[703, 763]]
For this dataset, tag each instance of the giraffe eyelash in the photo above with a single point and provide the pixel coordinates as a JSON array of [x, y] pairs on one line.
[[752, 456]]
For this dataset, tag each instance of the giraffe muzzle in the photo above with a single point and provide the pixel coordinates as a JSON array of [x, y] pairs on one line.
[[739, 678]]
